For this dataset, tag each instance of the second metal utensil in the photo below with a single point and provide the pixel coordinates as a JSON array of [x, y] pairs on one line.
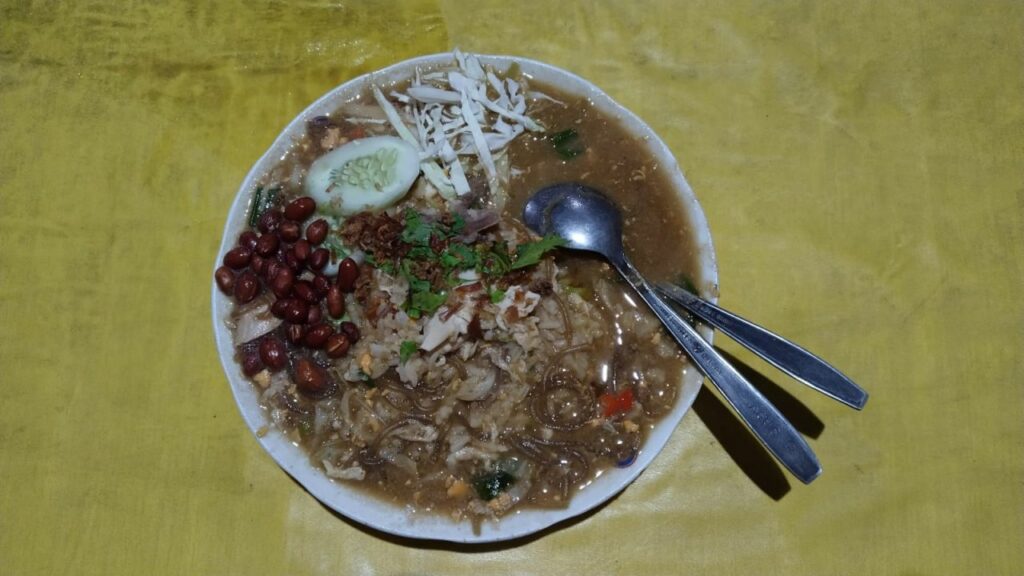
[[778, 351]]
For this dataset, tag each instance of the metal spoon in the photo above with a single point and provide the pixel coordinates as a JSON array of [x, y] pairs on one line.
[[779, 352], [589, 221]]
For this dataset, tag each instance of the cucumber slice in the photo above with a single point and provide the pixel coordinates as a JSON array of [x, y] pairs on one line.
[[366, 174]]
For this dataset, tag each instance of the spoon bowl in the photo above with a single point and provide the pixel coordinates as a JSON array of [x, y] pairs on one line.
[[583, 217]]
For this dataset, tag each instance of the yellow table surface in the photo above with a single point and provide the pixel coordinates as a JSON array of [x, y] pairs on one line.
[[861, 165]]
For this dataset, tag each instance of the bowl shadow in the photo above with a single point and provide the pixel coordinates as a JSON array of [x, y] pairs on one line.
[[739, 443], [802, 417]]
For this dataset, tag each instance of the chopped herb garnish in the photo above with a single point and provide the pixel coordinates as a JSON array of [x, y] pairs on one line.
[[425, 302], [333, 244], [448, 260], [415, 284], [387, 267], [254, 209], [262, 200], [458, 224], [567, 143], [584, 293], [434, 260], [421, 253], [497, 295], [305, 427], [459, 256], [336, 322], [559, 138], [406, 350], [367, 380], [422, 299], [489, 486], [416, 232], [530, 253], [494, 261]]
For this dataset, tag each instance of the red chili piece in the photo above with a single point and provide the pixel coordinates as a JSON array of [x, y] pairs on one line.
[[613, 404]]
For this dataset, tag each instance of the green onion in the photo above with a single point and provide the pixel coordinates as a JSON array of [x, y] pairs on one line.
[[254, 208], [263, 200]]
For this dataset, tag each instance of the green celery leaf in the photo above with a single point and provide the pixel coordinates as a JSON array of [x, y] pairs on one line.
[[421, 253], [494, 261], [426, 302], [416, 231], [459, 256], [458, 224], [406, 350], [530, 253]]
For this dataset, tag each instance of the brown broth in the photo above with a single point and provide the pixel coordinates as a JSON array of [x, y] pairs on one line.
[[658, 233]]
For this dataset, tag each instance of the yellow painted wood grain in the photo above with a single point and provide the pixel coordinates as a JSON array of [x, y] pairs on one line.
[[861, 165]]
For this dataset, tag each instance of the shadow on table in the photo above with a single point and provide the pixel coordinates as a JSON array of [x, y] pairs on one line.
[[741, 445]]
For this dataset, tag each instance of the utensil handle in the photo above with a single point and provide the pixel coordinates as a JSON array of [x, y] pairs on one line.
[[763, 419], [779, 352]]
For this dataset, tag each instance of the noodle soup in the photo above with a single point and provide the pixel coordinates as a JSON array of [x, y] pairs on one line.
[[421, 344]]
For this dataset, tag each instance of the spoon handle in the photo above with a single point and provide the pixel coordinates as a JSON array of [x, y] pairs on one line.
[[763, 419], [778, 351]]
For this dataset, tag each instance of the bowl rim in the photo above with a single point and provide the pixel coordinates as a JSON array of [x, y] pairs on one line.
[[391, 518]]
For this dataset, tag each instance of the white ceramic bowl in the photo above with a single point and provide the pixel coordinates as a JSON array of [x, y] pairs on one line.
[[356, 504]]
